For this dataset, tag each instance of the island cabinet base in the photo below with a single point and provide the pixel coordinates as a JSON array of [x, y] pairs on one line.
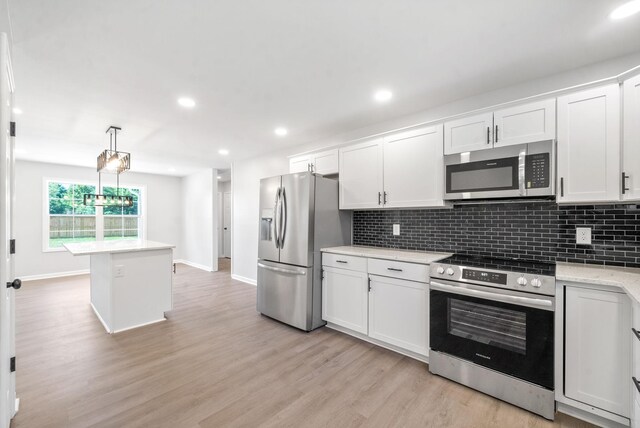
[[131, 289]]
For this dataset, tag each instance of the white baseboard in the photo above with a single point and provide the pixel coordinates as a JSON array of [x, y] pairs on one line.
[[195, 265], [243, 279], [54, 275]]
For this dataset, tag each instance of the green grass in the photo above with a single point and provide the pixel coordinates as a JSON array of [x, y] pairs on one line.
[[57, 242]]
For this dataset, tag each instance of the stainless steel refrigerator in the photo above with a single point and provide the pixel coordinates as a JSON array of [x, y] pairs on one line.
[[298, 216]]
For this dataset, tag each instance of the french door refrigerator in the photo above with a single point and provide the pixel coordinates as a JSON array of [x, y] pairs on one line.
[[298, 216]]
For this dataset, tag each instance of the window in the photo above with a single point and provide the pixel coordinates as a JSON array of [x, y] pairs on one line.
[[122, 222], [67, 219]]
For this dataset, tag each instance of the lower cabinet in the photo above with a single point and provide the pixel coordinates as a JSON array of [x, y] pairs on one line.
[[398, 312], [598, 349], [634, 333], [345, 295]]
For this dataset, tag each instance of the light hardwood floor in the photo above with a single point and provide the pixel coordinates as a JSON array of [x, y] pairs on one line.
[[216, 362]]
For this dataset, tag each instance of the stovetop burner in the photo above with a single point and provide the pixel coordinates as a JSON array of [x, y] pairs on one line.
[[510, 265]]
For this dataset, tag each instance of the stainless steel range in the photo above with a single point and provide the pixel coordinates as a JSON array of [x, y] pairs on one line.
[[492, 328]]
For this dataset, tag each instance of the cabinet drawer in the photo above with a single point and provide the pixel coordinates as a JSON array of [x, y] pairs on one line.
[[410, 271], [345, 262]]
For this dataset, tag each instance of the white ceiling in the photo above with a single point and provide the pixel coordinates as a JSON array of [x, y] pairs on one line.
[[312, 66]]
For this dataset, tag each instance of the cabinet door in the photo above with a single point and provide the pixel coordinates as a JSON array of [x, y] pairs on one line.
[[589, 145], [524, 124], [300, 164], [344, 298], [326, 163], [468, 134], [597, 348], [631, 145], [413, 168], [361, 175], [398, 313]]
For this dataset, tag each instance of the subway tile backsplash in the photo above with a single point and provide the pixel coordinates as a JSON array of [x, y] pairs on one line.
[[542, 231]]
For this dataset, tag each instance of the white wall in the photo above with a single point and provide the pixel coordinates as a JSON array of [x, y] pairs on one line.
[[200, 214], [246, 174], [163, 216]]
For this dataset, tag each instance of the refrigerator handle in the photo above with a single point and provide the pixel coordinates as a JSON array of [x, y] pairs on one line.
[[283, 217], [276, 208]]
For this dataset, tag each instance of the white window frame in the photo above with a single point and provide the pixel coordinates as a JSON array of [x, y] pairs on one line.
[[142, 207]]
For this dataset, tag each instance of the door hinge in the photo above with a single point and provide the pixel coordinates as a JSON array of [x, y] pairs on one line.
[[12, 246], [12, 129], [12, 364]]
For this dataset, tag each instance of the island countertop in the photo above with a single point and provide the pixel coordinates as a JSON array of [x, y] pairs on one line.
[[118, 246], [421, 257]]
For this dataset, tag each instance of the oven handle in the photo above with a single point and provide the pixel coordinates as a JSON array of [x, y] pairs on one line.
[[544, 304]]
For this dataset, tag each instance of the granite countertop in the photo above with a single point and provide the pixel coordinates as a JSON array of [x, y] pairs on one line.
[[119, 246], [628, 279], [421, 257]]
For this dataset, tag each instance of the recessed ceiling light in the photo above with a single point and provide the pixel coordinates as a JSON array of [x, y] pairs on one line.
[[223, 152], [280, 131], [383, 95], [186, 102], [16, 110], [627, 9]]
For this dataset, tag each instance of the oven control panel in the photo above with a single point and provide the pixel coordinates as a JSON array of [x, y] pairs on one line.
[[480, 275]]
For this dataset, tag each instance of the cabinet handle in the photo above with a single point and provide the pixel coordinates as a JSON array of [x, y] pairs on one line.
[[313, 167], [341, 261], [385, 198], [561, 187], [624, 182], [379, 198], [496, 136], [636, 383], [395, 269], [636, 332], [488, 135]]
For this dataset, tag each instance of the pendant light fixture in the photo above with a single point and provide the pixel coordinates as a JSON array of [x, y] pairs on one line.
[[114, 162]]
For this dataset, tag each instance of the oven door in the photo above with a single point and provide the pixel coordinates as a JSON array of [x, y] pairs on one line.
[[497, 329]]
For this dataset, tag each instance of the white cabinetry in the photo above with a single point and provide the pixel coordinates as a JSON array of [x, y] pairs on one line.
[[345, 292], [635, 367], [400, 170], [398, 312], [325, 163], [597, 348], [631, 139], [522, 124], [589, 145]]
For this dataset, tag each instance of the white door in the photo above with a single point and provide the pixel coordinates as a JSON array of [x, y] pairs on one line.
[[326, 163], [468, 134], [361, 175], [300, 164], [398, 313], [220, 225], [413, 168], [345, 298], [597, 348], [227, 224], [7, 299], [631, 139], [525, 123], [589, 145]]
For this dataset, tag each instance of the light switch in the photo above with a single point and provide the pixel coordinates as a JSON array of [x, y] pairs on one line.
[[583, 235], [396, 229]]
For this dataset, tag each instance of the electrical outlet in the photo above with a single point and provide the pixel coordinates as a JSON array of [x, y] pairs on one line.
[[583, 235], [118, 271], [396, 229]]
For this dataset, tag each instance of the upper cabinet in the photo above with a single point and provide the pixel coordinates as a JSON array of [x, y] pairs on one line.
[[630, 177], [522, 124], [589, 145], [404, 169], [324, 163]]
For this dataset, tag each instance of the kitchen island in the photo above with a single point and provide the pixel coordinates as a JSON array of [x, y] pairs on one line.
[[131, 281]]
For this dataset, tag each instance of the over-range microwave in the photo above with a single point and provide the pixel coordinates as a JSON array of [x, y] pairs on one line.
[[516, 171]]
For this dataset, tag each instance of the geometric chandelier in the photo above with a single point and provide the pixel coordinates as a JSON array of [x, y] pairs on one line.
[[114, 162]]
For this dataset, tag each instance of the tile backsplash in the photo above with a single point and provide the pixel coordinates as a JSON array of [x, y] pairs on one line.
[[542, 231]]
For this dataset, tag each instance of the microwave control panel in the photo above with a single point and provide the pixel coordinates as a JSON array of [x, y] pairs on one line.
[[536, 171]]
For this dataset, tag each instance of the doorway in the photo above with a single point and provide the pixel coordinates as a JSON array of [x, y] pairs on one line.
[[224, 218]]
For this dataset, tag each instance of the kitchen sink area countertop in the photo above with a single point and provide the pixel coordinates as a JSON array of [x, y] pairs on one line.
[[421, 257], [628, 279]]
